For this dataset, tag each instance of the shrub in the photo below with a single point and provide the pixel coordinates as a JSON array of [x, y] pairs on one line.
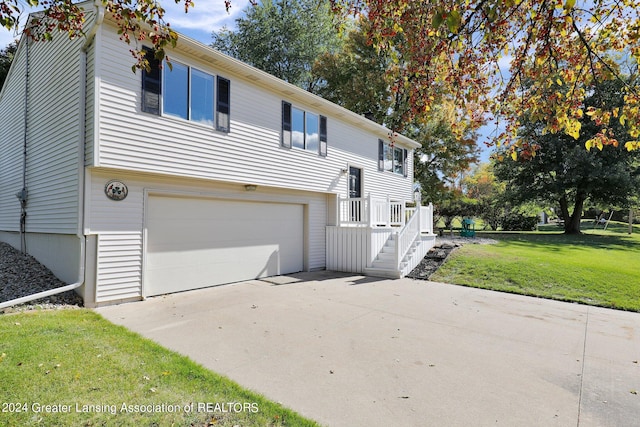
[[516, 221]]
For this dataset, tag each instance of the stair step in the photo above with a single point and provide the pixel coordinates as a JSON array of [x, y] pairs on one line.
[[383, 265], [382, 272]]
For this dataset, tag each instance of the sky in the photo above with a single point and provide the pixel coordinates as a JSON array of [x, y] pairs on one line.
[[203, 18]]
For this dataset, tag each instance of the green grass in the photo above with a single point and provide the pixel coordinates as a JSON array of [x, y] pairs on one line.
[[72, 358], [597, 268]]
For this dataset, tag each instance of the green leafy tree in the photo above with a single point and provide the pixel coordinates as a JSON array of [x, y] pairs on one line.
[[282, 37], [459, 45], [6, 57], [483, 186], [356, 78], [562, 172], [456, 206]]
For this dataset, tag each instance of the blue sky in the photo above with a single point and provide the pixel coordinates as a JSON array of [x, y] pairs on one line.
[[203, 18]]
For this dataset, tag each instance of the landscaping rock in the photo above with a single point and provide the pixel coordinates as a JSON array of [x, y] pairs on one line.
[[439, 254], [22, 275]]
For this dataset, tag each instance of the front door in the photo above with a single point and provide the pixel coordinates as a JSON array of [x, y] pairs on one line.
[[355, 182], [355, 192]]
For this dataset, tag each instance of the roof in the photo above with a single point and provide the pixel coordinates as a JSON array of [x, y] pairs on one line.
[[286, 90]]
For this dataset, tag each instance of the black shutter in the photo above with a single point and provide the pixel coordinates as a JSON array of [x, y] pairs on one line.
[[323, 136], [380, 155], [405, 163], [223, 105], [151, 84], [286, 124]]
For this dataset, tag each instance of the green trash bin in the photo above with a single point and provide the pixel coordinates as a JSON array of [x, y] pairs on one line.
[[468, 228]]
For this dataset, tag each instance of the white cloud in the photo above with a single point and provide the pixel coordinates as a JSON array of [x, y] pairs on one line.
[[203, 18]]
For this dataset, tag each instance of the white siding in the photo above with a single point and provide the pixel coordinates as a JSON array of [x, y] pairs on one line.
[[52, 136], [90, 104], [119, 266], [132, 140], [352, 249], [107, 218], [11, 139]]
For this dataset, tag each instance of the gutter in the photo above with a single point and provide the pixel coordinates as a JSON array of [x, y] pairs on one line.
[[81, 169]]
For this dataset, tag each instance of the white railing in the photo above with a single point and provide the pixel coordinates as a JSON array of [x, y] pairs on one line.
[[370, 211], [352, 211], [426, 219], [406, 236], [355, 249]]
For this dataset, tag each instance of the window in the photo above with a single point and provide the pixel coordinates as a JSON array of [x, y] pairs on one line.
[[175, 99], [151, 84], [391, 158], [223, 122], [201, 97], [186, 92], [303, 129], [297, 128]]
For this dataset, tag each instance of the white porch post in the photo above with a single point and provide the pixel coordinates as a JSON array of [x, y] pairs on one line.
[[388, 211], [403, 212], [431, 217]]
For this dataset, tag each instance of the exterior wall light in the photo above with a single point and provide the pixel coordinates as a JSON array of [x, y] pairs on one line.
[[250, 187]]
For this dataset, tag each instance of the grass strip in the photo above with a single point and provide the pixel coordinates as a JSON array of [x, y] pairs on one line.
[[597, 268], [73, 367]]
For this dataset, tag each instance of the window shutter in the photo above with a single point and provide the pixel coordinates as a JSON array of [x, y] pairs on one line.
[[286, 124], [405, 163], [380, 155], [151, 84], [323, 136], [223, 105]]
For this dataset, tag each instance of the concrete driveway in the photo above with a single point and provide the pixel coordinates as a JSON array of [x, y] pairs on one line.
[[356, 351]]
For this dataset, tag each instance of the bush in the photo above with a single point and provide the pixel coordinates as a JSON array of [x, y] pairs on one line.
[[516, 221]]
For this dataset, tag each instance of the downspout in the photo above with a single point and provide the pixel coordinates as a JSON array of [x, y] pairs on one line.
[[22, 194], [81, 169]]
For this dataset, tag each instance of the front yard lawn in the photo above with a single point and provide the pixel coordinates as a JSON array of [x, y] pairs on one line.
[[74, 368], [598, 268]]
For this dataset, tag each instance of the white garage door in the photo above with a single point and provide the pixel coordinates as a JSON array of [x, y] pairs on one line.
[[194, 243]]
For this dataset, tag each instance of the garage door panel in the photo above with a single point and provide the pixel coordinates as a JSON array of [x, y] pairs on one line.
[[194, 243]]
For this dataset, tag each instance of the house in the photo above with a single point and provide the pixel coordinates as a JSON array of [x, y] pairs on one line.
[[133, 184]]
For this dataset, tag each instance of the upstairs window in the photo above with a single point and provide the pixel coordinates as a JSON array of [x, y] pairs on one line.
[[175, 98], [303, 129], [392, 159], [186, 92], [223, 122], [201, 97], [151, 84]]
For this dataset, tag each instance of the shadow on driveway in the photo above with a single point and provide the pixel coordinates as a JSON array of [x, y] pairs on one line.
[[405, 352]]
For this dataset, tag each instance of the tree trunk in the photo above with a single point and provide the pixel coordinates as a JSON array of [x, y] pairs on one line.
[[572, 221]]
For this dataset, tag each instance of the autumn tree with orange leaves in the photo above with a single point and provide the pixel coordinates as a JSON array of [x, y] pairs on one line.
[[502, 58]]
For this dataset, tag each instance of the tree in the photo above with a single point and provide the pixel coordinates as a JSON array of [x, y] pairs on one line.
[[562, 47], [556, 51], [355, 78], [6, 57], [282, 37], [564, 173], [482, 185]]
